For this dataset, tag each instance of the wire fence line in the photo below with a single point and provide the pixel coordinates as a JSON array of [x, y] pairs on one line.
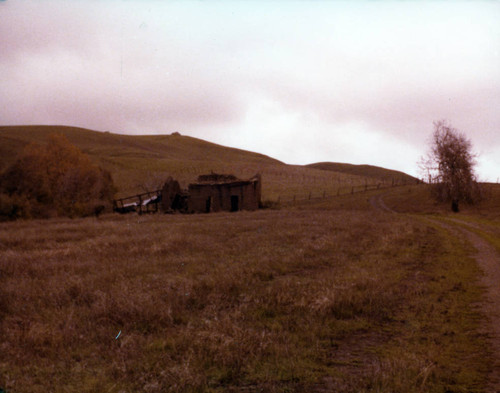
[[346, 190]]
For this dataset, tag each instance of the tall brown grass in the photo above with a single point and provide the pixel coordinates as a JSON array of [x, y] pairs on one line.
[[273, 301]]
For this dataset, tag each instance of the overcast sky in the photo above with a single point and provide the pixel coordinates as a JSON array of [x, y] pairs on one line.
[[358, 82]]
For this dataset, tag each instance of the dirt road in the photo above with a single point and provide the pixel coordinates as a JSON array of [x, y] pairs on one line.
[[488, 259]]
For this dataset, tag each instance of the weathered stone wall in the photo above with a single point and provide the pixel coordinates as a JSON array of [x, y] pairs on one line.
[[170, 190], [233, 196]]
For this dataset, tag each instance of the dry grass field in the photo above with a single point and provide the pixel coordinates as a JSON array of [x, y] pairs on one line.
[[331, 296]]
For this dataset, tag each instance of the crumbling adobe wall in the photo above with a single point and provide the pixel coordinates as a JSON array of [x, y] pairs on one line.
[[170, 190], [231, 196]]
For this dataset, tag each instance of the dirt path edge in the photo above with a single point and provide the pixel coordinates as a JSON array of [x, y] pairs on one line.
[[488, 260]]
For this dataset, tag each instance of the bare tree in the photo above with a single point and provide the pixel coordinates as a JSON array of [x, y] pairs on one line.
[[450, 165]]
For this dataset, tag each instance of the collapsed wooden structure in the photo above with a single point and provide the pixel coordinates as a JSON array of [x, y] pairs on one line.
[[141, 203], [211, 193]]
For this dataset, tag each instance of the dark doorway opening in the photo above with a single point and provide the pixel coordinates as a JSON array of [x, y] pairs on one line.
[[235, 203], [208, 205]]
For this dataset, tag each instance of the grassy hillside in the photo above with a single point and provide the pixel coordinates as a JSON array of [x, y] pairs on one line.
[[143, 162], [369, 171], [139, 161]]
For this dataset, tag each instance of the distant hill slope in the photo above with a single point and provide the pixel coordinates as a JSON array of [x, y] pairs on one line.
[[107, 145], [368, 171], [140, 163]]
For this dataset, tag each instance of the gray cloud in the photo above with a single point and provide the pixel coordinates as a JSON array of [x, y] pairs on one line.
[[33, 28], [70, 67], [242, 73]]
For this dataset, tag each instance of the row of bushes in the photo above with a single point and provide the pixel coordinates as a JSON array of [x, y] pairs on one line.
[[55, 179]]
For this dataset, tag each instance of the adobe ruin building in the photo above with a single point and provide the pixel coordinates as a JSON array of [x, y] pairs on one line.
[[215, 192], [212, 193]]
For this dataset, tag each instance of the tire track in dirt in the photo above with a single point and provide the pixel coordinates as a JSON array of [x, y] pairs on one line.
[[378, 203], [488, 260], [490, 229]]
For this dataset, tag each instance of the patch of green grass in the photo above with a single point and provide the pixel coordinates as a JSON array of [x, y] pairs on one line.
[[448, 321], [487, 229]]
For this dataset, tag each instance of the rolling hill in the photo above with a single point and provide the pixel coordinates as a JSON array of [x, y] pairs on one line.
[[369, 171], [140, 163]]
